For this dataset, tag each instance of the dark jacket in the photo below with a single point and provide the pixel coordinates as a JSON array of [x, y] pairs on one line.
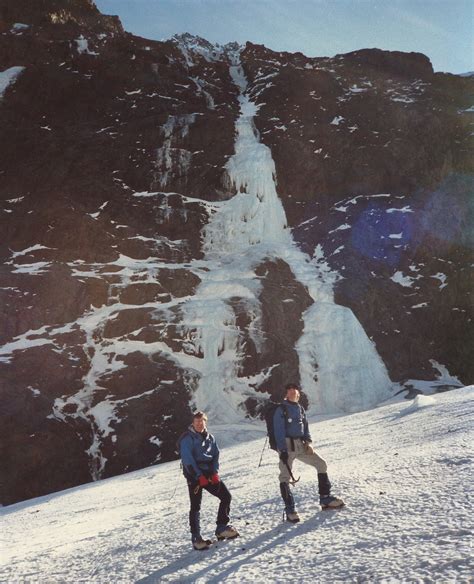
[[199, 453], [292, 425]]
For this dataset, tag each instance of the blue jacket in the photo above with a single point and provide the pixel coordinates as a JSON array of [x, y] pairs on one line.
[[199, 453], [292, 425]]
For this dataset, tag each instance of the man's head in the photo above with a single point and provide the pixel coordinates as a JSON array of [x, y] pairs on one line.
[[292, 392], [199, 421]]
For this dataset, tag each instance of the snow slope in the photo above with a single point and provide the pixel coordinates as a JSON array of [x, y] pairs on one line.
[[404, 470]]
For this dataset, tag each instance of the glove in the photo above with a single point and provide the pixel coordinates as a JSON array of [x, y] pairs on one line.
[[284, 456], [214, 479], [203, 482]]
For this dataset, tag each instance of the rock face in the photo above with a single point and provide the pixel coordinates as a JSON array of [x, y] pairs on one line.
[[113, 159], [374, 162]]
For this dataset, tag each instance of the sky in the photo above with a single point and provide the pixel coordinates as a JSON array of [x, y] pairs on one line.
[[441, 29]]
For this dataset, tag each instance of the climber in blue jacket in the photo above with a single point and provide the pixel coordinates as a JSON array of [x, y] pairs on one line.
[[293, 441], [200, 458]]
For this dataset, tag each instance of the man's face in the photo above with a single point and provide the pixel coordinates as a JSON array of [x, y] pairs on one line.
[[293, 394], [199, 424]]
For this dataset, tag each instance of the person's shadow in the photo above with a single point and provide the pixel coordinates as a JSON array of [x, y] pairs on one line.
[[237, 552]]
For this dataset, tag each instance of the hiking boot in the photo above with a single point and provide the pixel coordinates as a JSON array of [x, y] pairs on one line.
[[330, 502], [292, 516], [201, 544], [226, 532]]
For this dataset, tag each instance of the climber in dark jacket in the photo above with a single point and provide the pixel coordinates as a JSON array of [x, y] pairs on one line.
[[200, 457], [293, 441]]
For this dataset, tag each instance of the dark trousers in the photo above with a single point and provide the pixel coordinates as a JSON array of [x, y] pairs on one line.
[[195, 496]]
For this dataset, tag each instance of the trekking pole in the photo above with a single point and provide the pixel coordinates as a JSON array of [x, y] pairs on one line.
[[263, 450], [174, 490], [175, 484]]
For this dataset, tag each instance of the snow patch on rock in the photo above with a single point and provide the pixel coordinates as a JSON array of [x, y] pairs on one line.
[[8, 78]]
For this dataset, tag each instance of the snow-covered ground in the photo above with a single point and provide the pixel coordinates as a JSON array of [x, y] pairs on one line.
[[404, 469]]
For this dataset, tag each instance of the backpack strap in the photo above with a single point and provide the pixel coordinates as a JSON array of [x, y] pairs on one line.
[[303, 413], [286, 417], [285, 410]]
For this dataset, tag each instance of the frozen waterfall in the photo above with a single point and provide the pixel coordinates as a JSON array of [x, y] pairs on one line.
[[340, 369]]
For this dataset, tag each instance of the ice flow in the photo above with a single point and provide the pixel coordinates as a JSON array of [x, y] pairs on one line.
[[340, 369]]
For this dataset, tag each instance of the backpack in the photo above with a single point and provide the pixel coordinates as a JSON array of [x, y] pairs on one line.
[[178, 442], [268, 415]]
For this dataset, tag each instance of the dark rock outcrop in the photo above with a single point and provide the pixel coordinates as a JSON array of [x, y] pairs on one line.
[[373, 153]]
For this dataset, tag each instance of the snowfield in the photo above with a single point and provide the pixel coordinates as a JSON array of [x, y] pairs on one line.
[[404, 470]]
